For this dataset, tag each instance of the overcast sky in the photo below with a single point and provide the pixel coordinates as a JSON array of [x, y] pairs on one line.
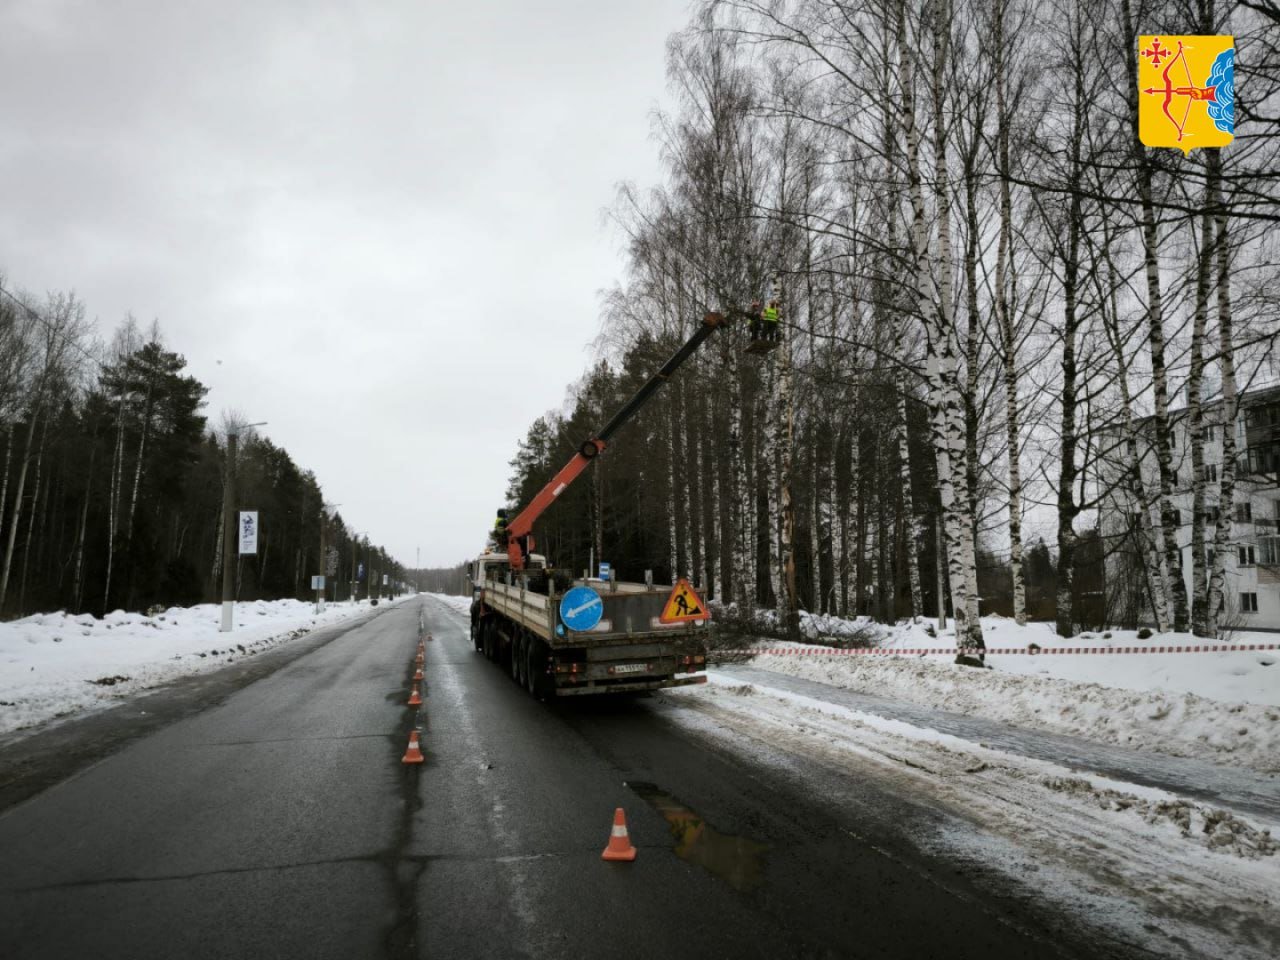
[[377, 226]]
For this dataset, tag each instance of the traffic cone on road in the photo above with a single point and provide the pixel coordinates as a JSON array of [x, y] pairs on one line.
[[420, 659], [415, 698], [619, 847], [414, 753], [417, 674]]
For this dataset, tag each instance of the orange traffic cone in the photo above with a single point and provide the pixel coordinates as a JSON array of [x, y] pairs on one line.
[[414, 753], [417, 674], [415, 699], [430, 637], [619, 847], [420, 659]]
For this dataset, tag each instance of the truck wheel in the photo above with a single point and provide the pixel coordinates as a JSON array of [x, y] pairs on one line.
[[517, 656], [536, 680]]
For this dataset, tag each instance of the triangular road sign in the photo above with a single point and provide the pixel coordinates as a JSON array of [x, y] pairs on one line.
[[684, 605]]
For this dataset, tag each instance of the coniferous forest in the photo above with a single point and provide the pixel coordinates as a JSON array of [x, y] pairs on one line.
[[112, 479]]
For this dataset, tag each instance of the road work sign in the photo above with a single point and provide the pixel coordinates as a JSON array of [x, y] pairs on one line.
[[684, 605], [581, 609]]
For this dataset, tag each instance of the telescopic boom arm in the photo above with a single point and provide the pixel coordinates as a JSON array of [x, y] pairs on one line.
[[519, 539]]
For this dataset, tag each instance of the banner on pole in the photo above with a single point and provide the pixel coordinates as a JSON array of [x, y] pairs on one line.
[[248, 531]]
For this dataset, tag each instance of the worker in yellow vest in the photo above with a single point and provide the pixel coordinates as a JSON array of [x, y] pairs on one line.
[[770, 318]]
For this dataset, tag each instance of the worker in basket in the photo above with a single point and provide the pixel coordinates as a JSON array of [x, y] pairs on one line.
[[500, 528], [757, 320], [770, 321]]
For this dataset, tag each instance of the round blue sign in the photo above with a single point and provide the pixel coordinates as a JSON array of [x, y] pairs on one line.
[[581, 609]]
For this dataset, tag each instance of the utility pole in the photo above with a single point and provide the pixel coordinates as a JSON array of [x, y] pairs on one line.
[[229, 534], [324, 562], [229, 553]]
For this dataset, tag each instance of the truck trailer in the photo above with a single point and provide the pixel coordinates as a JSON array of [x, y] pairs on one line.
[[523, 622]]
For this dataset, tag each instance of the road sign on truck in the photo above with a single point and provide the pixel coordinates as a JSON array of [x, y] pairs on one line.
[[581, 609]]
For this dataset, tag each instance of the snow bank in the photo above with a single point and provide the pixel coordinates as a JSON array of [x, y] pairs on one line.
[[455, 603], [1223, 707], [54, 664]]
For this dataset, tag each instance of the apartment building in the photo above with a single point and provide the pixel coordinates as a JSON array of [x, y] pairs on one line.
[[1252, 564]]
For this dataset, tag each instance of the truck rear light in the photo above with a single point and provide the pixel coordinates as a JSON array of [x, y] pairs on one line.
[[570, 667], [691, 661]]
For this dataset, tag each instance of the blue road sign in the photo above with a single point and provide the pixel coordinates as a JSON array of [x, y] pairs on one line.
[[606, 571], [581, 609]]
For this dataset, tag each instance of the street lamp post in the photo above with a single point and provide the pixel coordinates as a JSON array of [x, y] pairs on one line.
[[324, 559], [229, 553]]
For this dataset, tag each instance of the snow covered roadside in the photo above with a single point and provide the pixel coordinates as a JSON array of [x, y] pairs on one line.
[[55, 664], [1221, 707], [1173, 876], [456, 604]]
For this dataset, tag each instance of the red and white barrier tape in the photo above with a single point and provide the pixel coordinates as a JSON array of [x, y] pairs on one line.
[[1002, 651]]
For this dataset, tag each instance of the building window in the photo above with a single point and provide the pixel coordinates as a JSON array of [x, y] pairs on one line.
[[1270, 550], [1176, 516], [1211, 514], [1244, 512], [1211, 473], [1210, 433], [1248, 603], [1246, 556]]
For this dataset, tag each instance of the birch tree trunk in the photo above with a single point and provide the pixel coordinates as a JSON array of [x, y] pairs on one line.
[[1068, 509], [736, 507], [36, 507], [673, 505], [1195, 430], [786, 412], [944, 395], [4, 481], [1005, 322], [1177, 588], [16, 516], [1135, 485], [77, 589], [1226, 353], [147, 410]]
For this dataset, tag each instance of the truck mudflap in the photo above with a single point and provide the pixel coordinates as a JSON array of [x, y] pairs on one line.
[[639, 685]]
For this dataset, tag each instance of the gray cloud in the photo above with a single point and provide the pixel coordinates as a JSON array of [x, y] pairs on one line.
[[384, 219]]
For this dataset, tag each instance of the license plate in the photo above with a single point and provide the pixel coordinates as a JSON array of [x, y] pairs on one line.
[[632, 668]]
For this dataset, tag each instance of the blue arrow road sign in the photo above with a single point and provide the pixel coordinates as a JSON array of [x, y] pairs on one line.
[[581, 609]]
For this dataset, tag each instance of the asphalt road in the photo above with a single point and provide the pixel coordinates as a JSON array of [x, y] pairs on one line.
[[279, 822]]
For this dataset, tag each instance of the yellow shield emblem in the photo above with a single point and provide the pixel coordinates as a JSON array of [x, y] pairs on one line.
[[1186, 91]]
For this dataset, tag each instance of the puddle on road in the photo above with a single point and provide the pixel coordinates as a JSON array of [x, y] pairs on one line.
[[736, 860]]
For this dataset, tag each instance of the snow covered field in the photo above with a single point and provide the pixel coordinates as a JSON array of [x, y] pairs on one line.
[[1223, 707], [55, 664]]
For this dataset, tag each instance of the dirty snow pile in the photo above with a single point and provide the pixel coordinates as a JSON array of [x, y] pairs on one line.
[[53, 664], [1223, 707]]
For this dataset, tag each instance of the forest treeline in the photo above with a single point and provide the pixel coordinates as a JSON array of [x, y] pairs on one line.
[[992, 296], [112, 479]]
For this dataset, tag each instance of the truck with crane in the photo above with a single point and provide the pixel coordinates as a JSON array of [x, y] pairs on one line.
[[564, 636]]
